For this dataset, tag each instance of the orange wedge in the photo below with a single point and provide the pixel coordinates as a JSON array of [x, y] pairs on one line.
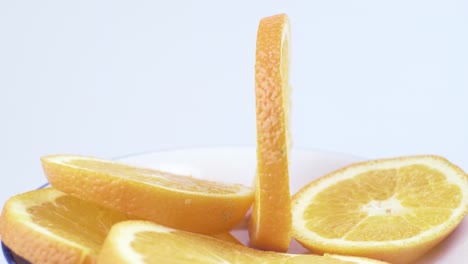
[[270, 223], [48, 226], [136, 242], [180, 202], [391, 209]]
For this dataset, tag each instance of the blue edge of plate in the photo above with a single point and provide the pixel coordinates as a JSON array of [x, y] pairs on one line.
[[11, 257]]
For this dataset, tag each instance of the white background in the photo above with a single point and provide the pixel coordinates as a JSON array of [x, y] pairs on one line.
[[109, 78]]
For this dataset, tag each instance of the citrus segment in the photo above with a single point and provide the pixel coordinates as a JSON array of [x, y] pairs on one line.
[[390, 209], [48, 226], [270, 224], [145, 242], [181, 202]]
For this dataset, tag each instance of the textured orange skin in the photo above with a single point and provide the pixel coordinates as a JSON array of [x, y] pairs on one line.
[[204, 214], [270, 225]]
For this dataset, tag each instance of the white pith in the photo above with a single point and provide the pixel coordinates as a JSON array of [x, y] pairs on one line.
[[391, 206]]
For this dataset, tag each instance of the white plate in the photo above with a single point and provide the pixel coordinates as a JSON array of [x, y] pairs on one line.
[[237, 165]]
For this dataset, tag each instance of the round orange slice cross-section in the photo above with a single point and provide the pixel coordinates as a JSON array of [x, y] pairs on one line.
[[391, 209]]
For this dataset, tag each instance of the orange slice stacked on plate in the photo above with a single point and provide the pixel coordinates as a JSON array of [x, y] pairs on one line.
[[181, 202], [48, 226], [135, 242], [392, 209], [270, 223]]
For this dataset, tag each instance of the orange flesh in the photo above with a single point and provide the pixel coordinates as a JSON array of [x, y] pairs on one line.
[[161, 247], [396, 202], [75, 220], [181, 247]]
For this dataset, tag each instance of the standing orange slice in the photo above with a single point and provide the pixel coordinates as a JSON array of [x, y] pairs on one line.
[[270, 224], [181, 202]]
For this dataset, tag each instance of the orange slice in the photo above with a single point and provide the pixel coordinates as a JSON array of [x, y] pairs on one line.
[[48, 226], [138, 242], [391, 209], [180, 202], [270, 224]]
